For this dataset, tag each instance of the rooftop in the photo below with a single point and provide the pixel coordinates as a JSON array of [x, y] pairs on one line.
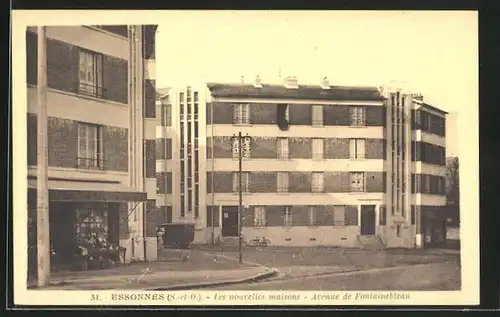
[[302, 92], [431, 107]]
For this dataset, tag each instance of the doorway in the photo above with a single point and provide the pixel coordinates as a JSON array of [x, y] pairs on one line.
[[367, 220], [229, 221]]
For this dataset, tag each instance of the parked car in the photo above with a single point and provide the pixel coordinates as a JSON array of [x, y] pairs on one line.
[[177, 235]]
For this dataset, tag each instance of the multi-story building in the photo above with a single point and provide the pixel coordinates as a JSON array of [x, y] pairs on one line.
[[101, 124], [323, 165]]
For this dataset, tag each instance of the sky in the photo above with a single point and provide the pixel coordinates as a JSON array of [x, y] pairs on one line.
[[434, 53]]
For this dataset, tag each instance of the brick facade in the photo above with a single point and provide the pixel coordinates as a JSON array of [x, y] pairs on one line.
[[264, 148], [62, 69], [336, 148], [263, 113], [375, 182], [149, 99], [336, 115], [63, 142], [337, 182], [115, 146], [300, 148], [263, 182], [150, 158], [375, 149], [300, 114]]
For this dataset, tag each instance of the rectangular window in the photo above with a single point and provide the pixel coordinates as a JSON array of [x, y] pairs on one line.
[[287, 216], [190, 200], [183, 205], [312, 216], [241, 113], [245, 182], [196, 196], [283, 152], [398, 230], [357, 116], [181, 97], [90, 147], [357, 148], [317, 115], [166, 115], [318, 180], [90, 73], [196, 130], [357, 181], [259, 219], [195, 96], [427, 184], [282, 182], [339, 215], [382, 217], [317, 147], [413, 215]]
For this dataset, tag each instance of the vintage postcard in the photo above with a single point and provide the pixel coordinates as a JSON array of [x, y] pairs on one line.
[[245, 158]]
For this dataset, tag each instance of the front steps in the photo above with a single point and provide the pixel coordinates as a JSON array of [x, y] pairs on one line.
[[370, 242]]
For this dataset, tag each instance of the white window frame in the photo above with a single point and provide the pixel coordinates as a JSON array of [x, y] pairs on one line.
[[357, 182], [312, 216], [357, 116], [283, 182], [245, 180], [241, 113], [317, 115], [259, 216], [283, 148], [287, 217], [90, 155], [357, 149], [318, 182], [317, 148], [90, 72]]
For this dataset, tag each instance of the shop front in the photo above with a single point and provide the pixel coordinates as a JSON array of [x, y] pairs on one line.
[[85, 219]]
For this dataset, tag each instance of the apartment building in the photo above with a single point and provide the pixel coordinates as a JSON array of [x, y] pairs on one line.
[[101, 136], [323, 164]]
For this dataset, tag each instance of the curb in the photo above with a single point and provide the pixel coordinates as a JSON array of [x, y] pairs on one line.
[[255, 278]]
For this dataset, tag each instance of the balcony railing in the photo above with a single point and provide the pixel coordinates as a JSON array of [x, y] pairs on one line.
[[92, 90], [90, 163]]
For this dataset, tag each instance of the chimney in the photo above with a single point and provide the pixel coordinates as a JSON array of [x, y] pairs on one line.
[[242, 79], [291, 82], [325, 83], [257, 83], [418, 97]]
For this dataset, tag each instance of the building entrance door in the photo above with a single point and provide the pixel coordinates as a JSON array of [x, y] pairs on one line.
[[367, 220], [229, 221]]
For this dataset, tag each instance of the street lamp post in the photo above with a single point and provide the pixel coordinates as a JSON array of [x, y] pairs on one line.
[[241, 152]]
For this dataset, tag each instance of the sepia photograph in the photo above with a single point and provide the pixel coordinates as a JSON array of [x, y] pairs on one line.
[[246, 157]]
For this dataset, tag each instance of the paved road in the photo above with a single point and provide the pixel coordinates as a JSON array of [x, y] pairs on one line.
[[435, 276]]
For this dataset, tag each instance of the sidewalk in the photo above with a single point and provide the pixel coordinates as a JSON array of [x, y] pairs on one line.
[[200, 270], [334, 258]]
